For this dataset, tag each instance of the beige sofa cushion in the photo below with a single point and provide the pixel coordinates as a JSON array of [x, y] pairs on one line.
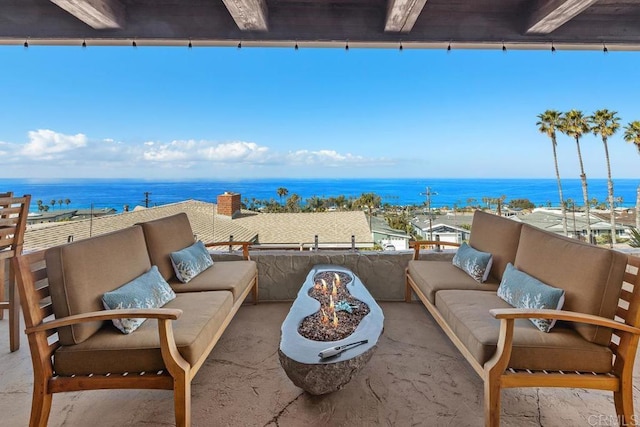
[[234, 276], [109, 351], [497, 235], [433, 276], [80, 272], [166, 235], [467, 313], [590, 276]]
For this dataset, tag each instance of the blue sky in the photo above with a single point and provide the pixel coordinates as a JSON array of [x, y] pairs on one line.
[[178, 113]]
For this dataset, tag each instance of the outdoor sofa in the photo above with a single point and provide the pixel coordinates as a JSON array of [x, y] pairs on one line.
[[593, 344], [165, 352]]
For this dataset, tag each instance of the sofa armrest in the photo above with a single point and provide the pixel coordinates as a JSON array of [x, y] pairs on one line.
[[570, 316], [420, 243], [245, 246], [149, 313]]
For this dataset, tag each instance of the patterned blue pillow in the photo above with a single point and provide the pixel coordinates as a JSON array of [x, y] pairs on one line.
[[475, 263], [523, 291], [191, 261], [149, 290]]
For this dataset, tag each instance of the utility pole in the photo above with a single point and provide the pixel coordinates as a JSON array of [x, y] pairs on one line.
[[428, 193], [146, 199]]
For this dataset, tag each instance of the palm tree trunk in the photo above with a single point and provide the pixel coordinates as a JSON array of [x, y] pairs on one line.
[[610, 188], [638, 208], [562, 206], [585, 194]]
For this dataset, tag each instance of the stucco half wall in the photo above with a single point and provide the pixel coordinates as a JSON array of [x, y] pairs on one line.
[[281, 273]]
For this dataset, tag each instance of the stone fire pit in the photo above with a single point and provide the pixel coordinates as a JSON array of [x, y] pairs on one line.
[[299, 356]]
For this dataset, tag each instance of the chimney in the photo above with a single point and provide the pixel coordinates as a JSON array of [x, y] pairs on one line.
[[229, 204]]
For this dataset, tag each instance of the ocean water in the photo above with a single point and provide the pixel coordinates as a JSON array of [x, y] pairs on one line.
[[115, 193]]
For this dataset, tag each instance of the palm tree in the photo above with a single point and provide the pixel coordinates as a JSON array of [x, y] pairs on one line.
[[39, 203], [605, 123], [67, 202], [632, 135], [52, 203], [574, 124], [370, 201], [282, 192], [293, 203], [315, 203], [549, 122], [60, 202]]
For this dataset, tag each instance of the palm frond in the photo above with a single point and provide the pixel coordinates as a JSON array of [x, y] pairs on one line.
[[634, 242]]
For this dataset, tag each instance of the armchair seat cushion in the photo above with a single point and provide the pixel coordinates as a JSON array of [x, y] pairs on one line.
[[110, 351], [434, 276], [234, 276], [467, 313]]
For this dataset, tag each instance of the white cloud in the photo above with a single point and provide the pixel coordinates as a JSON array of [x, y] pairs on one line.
[[238, 151], [80, 156], [329, 158], [165, 153], [47, 144], [205, 151]]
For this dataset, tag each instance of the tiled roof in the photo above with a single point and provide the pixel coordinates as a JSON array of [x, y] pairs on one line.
[[201, 216], [331, 227]]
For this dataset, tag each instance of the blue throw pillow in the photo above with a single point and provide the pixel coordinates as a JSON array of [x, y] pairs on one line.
[[475, 263], [191, 261], [149, 290], [523, 291]]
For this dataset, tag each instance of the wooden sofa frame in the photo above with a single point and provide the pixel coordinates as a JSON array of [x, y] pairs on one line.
[[43, 342], [497, 375]]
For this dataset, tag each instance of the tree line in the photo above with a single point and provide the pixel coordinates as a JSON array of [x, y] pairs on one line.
[[294, 203], [42, 207], [574, 124]]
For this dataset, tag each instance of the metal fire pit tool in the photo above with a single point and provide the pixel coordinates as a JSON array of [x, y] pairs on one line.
[[334, 351]]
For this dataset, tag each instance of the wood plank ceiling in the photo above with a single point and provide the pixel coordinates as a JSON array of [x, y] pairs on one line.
[[581, 24]]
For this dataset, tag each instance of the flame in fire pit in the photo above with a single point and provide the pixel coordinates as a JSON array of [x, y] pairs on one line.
[[335, 319]]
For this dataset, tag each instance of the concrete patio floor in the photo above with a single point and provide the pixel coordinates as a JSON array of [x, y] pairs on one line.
[[415, 378]]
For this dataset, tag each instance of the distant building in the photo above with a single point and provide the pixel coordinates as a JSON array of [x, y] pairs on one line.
[[67, 215], [551, 220], [44, 217], [447, 228], [389, 238], [95, 213]]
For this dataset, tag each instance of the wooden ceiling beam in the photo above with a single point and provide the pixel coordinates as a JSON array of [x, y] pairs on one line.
[[551, 14], [98, 14], [402, 15], [250, 15]]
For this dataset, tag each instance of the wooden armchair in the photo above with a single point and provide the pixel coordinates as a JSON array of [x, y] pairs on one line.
[[13, 222], [624, 343]]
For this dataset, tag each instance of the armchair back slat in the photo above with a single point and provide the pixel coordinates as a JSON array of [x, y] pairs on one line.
[[13, 223], [625, 349], [32, 271]]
